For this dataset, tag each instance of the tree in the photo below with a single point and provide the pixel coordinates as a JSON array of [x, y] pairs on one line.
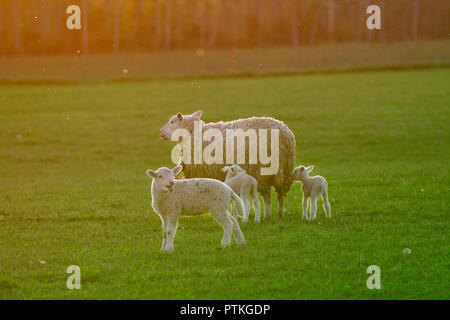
[[117, 5], [85, 26], [168, 25], [415, 19], [294, 23], [261, 7], [158, 24], [16, 26], [331, 20]]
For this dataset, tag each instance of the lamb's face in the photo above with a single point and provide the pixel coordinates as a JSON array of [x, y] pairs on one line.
[[301, 173], [237, 169], [164, 178], [178, 121], [232, 170]]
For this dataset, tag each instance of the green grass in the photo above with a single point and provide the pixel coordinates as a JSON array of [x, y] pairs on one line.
[[73, 190], [223, 63]]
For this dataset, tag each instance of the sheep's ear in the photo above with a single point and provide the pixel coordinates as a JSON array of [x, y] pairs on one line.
[[197, 114], [151, 173], [310, 168], [179, 116], [176, 171], [225, 169]]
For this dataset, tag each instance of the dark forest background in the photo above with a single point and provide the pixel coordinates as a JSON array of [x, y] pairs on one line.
[[39, 26]]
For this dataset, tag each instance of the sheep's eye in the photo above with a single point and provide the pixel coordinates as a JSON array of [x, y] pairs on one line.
[[171, 121], [160, 177]]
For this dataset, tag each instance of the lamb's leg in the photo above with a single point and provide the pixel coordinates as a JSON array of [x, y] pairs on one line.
[[238, 236], [164, 227], [224, 219], [280, 205], [305, 206], [257, 208], [172, 222], [247, 205], [267, 203], [326, 204], [234, 210], [313, 210]]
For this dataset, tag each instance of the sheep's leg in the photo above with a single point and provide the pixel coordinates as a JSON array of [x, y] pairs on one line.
[[280, 205], [171, 230], [237, 233], [267, 203], [224, 219], [313, 210], [257, 208], [305, 207], [164, 227], [326, 204]]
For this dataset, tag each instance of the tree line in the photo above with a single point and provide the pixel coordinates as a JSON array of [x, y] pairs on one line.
[[39, 26]]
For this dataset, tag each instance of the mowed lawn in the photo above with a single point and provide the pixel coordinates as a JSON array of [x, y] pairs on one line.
[[73, 190]]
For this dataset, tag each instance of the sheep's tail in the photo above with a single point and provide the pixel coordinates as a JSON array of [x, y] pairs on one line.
[[285, 176], [238, 201]]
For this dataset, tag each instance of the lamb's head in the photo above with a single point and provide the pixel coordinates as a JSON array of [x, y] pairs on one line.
[[301, 173], [233, 170], [179, 121], [164, 177]]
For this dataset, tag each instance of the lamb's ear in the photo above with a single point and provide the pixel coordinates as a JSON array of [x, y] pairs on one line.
[[225, 169], [179, 116], [197, 114], [310, 168], [151, 173], [176, 171]]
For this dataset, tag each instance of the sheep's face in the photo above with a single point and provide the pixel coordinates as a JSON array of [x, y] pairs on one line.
[[178, 121], [164, 178], [233, 170], [301, 173]]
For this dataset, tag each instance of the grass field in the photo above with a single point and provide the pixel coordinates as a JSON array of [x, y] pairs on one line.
[[73, 190], [224, 63]]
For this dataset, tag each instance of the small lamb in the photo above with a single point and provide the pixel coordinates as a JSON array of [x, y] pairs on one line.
[[313, 187], [243, 183], [172, 198]]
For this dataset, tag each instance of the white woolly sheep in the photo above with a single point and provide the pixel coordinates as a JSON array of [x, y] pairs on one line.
[[312, 187], [172, 198], [281, 180], [243, 184]]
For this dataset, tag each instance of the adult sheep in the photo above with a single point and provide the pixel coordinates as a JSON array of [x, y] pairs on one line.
[[281, 180]]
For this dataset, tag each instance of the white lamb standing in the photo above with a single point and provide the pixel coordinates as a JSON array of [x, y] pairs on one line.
[[313, 187], [172, 198], [243, 184]]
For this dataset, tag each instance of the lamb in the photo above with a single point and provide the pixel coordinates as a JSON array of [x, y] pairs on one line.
[[313, 187], [243, 184], [172, 198], [281, 180]]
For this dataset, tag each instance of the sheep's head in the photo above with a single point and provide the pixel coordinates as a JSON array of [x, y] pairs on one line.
[[301, 173], [233, 170], [164, 177], [179, 121]]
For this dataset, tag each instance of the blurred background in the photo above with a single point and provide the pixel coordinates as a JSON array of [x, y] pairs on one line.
[[38, 28]]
